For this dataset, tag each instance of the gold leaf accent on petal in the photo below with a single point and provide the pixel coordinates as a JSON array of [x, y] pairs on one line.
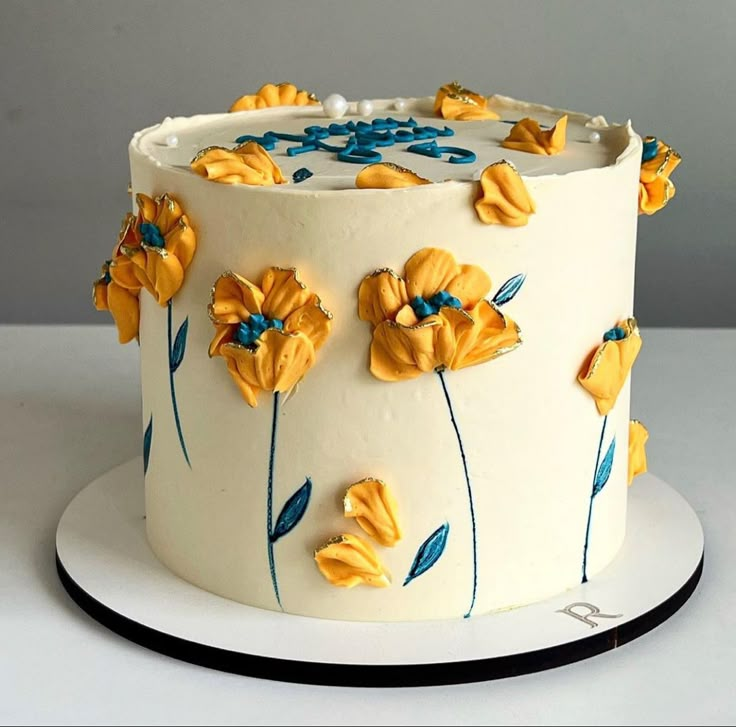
[[456, 103]]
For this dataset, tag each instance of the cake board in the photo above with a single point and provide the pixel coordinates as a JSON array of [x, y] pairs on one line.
[[107, 567]]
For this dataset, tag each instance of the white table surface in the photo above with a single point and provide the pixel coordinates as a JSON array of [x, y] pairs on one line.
[[69, 411]]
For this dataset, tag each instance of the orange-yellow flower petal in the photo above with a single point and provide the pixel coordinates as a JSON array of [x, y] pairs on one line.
[[181, 242], [455, 324], [458, 108], [491, 335], [407, 316], [249, 164], [147, 208], [224, 333], [128, 238], [470, 285], [348, 561], [385, 175], [166, 214], [276, 363], [122, 303], [460, 104], [401, 352], [526, 135], [455, 89], [247, 390], [504, 198], [605, 372], [284, 292], [374, 508], [313, 320], [159, 272], [125, 309], [655, 187], [123, 273], [99, 294], [234, 299], [381, 295], [428, 271], [159, 269], [638, 436], [285, 94]]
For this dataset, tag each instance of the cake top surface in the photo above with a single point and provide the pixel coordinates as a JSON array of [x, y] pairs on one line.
[[590, 142]]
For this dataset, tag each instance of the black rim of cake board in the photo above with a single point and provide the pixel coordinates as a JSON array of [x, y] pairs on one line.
[[376, 675]]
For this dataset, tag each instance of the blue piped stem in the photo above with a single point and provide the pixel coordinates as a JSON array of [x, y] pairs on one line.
[[173, 391], [590, 505], [470, 492], [269, 498]]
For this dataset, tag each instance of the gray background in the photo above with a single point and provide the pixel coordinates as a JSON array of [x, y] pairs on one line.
[[78, 78]]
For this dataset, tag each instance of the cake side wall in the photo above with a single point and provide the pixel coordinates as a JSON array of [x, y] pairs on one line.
[[529, 431]]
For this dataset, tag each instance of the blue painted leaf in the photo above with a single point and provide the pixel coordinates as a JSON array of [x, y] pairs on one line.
[[293, 511], [147, 435], [604, 471], [180, 344], [509, 289], [429, 553]]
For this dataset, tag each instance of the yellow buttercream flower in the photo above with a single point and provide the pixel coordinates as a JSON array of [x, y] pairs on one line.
[[456, 103], [606, 369], [374, 508], [159, 243], [268, 335], [385, 175], [434, 317], [504, 198], [655, 187], [526, 135], [285, 94], [638, 436], [248, 163], [348, 561], [121, 300]]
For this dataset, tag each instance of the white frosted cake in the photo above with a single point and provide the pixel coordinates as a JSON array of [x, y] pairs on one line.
[[385, 348]]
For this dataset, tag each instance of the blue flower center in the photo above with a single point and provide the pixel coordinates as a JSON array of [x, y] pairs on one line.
[[615, 334], [106, 277], [249, 332], [151, 235], [650, 148], [424, 307]]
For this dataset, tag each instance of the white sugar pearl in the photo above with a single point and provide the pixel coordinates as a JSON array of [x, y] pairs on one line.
[[400, 104], [172, 140], [594, 137], [365, 107], [335, 106]]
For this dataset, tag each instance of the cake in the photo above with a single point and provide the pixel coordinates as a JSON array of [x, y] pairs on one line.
[[385, 348]]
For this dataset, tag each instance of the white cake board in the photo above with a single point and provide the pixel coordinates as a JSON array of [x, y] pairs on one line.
[[106, 565]]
